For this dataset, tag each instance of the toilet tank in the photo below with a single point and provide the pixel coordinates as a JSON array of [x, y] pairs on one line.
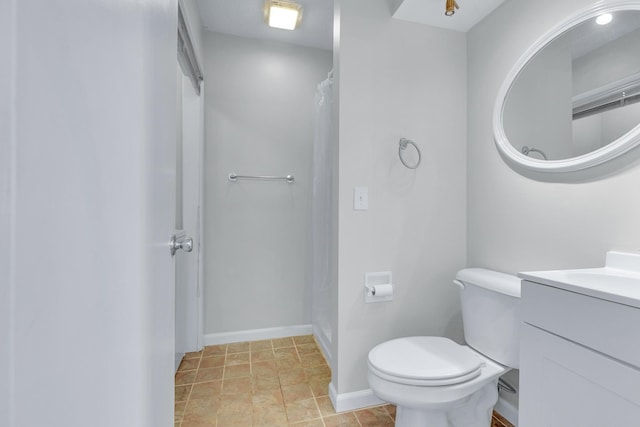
[[491, 313]]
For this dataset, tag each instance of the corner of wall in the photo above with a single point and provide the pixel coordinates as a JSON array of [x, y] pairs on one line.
[[351, 401], [415, 224], [394, 5]]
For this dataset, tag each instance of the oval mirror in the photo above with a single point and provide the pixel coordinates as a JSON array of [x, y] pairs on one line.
[[572, 100]]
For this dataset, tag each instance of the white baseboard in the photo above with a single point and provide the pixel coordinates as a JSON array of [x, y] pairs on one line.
[[354, 400], [257, 334], [365, 398], [324, 343], [177, 361], [507, 410]]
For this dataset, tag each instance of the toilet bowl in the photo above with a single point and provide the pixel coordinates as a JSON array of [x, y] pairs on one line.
[[436, 382]]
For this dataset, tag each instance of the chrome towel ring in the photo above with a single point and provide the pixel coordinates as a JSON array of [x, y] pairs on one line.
[[526, 150], [404, 142]]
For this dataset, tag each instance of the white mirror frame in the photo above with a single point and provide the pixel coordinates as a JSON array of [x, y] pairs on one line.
[[610, 151]]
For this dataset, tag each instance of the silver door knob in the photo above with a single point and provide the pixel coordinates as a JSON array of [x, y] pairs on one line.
[[180, 242]]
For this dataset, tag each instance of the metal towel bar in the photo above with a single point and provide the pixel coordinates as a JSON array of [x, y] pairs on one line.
[[234, 177]]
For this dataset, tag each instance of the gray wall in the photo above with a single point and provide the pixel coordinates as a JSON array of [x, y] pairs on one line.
[[6, 169], [613, 61], [538, 109], [398, 79], [259, 113], [598, 130], [516, 223], [605, 65]]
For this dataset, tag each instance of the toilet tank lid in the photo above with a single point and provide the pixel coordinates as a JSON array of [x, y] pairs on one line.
[[492, 280]]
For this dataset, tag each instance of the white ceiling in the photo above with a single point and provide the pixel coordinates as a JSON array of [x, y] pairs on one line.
[[588, 36], [431, 12], [244, 18]]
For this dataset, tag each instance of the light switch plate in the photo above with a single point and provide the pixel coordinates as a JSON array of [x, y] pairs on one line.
[[360, 198]]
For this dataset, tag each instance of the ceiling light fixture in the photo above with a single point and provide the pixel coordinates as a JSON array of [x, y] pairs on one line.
[[604, 19], [282, 14], [451, 7]]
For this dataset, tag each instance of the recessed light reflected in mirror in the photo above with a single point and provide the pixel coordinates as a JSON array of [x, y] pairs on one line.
[[604, 19]]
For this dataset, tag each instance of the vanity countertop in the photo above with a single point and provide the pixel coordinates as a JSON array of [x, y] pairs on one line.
[[618, 281]]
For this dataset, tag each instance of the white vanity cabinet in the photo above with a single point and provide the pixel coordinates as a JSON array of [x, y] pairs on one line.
[[580, 350]]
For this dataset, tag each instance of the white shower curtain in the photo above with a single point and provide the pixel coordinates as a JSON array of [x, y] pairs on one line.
[[321, 217]]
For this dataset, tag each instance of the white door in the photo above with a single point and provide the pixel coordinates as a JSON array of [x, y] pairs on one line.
[[190, 138], [89, 296]]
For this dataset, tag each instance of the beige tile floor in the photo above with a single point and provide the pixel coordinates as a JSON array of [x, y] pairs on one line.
[[499, 421], [270, 383]]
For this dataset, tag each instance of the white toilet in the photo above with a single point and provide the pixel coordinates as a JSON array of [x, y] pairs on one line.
[[435, 382]]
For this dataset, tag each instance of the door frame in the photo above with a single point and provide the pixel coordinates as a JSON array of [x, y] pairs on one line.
[[192, 158]]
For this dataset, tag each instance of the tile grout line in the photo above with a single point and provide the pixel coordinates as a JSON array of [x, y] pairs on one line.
[[186, 403], [315, 400], [187, 399], [321, 417]]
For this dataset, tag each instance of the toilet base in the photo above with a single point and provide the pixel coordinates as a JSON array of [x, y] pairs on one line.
[[475, 411], [420, 417]]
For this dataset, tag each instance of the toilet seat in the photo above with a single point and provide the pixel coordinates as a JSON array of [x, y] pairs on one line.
[[424, 361]]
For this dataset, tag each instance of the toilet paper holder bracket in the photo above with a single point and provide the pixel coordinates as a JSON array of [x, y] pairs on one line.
[[378, 287]]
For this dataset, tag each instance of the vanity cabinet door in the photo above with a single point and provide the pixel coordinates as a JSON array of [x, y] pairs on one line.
[[595, 323], [564, 384]]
